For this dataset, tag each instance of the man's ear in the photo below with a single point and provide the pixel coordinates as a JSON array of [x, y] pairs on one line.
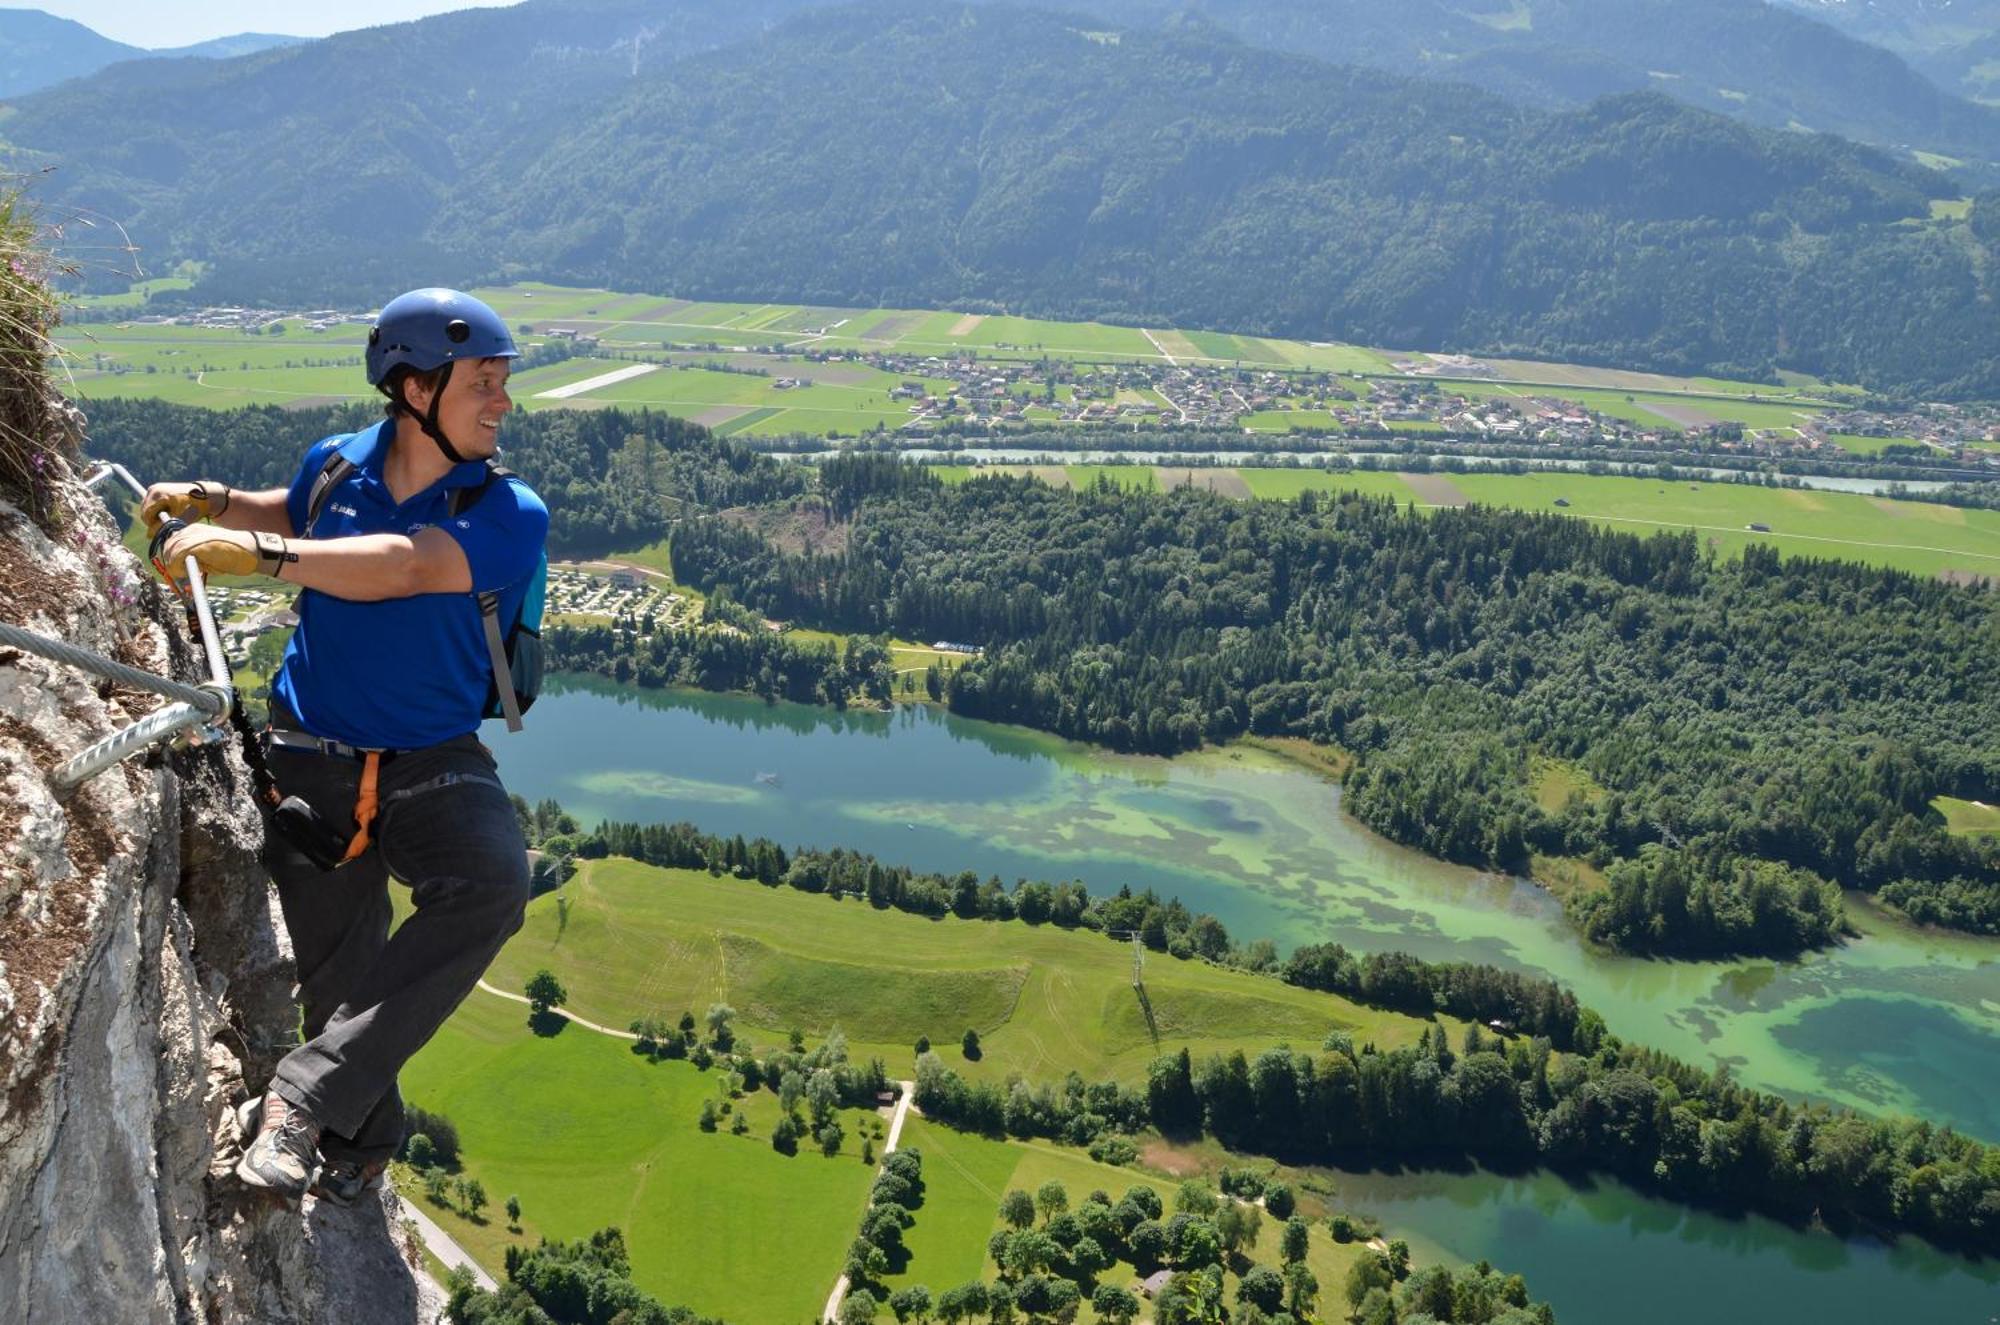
[[416, 394]]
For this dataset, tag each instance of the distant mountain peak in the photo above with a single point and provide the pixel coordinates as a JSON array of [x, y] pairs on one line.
[[39, 49]]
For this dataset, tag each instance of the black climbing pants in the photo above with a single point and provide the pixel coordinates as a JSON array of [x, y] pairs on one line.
[[446, 829]]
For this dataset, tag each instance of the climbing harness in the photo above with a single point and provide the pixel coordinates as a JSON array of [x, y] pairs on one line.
[[198, 714], [304, 826]]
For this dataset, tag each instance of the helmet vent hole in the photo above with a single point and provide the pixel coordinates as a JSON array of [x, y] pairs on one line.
[[457, 332]]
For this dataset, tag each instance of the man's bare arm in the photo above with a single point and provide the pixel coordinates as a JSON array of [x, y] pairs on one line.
[[258, 512], [232, 508], [366, 568]]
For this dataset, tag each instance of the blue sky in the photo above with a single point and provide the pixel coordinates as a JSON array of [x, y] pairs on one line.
[[157, 23]]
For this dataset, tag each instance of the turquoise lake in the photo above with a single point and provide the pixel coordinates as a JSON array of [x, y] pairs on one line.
[[1896, 1020]]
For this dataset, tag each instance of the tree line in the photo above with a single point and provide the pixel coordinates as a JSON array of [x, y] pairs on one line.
[[1625, 1110], [763, 662], [1772, 727], [612, 479], [585, 1282]]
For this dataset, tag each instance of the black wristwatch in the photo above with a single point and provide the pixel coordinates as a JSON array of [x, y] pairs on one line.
[[272, 553]]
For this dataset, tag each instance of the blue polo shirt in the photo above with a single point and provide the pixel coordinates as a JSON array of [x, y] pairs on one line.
[[404, 672]]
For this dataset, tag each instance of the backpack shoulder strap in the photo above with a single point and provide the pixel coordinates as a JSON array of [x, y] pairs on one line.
[[496, 653], [463, 499], [334, 472], [331, 475]]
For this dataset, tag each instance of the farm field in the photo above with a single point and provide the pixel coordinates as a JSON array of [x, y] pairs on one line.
[[588, 1134], [1294, 420], [631, 940], [1925, 538], [1622, 380], [966, 1175], [222, 367], [1655, 409], [1858, 445]]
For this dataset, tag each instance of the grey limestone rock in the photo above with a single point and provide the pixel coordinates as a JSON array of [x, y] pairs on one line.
[[144, 988]]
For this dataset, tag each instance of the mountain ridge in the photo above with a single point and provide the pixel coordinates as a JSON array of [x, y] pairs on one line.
[[999, 158]]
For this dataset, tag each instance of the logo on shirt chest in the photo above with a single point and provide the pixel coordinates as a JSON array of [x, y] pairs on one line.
[[347, 511]]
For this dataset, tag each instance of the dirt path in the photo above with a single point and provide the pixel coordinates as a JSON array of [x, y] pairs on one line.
[[1436, 489], [564, 1013], [1226, 482], [717, 415], [1161, 348], [966, 325]]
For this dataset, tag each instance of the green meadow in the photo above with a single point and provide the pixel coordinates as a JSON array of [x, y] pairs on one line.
[[588, 1134], [1969, 817], [630, 940]]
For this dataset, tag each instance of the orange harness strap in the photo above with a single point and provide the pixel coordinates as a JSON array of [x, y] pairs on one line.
[[364, 805]]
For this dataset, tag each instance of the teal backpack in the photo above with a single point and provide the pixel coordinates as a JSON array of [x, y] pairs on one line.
[[516, 653]]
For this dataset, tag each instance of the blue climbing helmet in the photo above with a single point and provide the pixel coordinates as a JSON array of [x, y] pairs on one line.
[[431, 329]]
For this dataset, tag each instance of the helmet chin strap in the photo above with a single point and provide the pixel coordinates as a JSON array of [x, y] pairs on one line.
[[428, 420]]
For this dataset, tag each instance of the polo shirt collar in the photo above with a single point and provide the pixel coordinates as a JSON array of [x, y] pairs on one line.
[[369, 452]]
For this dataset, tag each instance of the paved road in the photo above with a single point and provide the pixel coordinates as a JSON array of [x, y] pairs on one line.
[[903, 1106], [441, 1243], [839, 1293]]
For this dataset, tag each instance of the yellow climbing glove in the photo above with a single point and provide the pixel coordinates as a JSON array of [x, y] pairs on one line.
[[182, 501], [228, 551]]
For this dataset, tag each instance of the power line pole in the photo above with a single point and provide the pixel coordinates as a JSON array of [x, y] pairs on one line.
[[1138, 955]]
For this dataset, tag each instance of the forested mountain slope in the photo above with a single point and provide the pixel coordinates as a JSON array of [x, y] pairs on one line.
[[1763, 63], [983, 157]]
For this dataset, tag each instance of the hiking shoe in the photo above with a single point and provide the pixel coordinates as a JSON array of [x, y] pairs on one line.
[[285, 1151], [345, 1181]]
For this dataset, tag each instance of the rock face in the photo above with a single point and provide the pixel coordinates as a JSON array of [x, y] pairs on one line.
[[144, 987]]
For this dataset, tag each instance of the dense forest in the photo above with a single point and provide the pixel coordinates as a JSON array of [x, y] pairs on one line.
[[1169, 178], [1552, 1085], [754, 660], [1750, 733], [612, 479]]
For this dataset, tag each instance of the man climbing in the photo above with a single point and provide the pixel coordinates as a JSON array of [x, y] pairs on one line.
[[409, 546]]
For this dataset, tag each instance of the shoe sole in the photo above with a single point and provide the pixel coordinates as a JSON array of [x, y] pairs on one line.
[[344, 1202]]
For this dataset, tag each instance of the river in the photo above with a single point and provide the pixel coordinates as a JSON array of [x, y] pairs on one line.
[[1895, 1020], [1386, 460]]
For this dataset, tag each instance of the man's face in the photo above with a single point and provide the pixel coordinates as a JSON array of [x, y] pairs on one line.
[[474, 401]]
